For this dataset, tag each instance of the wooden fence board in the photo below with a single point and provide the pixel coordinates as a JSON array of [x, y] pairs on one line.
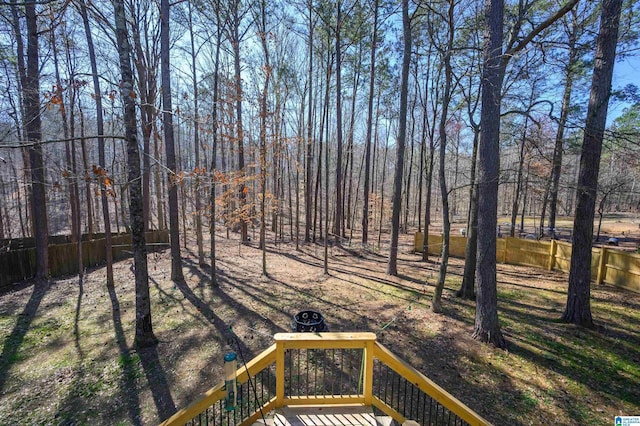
[[20, 265], [617, 268], [595, 261], [629, 262], [458, 245], [527, 252]]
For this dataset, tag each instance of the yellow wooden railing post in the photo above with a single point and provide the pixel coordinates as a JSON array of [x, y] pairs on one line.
[[279, 374], [367, 382], [602, 265], [552, 254], [364, 341]]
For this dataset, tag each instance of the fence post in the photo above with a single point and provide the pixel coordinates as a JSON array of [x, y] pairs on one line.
[[602, 265], [552, 254]]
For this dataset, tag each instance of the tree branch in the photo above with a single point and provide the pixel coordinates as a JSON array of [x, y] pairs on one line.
[[544, 25], [27, 144]]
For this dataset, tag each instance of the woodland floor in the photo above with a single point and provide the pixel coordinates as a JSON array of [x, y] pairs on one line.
[[67, 357]]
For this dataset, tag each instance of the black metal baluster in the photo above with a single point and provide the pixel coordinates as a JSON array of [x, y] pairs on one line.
[[339, 371], [261, 387], [411, 402], [374, 385], [386, 383], [404, 398], [315, 371], [418, 414], [239, 404], [290, 392], [397, 392], [296, 376], [353, 386], [324, 372], [308, 366]]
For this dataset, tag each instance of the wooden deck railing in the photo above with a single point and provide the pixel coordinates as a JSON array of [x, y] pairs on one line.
[[330, 368]]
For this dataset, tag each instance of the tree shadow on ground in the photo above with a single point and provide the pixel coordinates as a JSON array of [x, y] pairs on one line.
[[224, 328], [376, 279], [14, 340], [158, 383], [589, 357], [76, 318], [128, 388]]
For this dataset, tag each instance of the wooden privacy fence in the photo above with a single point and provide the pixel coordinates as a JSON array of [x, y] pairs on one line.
[[18, 265], [608, 265]]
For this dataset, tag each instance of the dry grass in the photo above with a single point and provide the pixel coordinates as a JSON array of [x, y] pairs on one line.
[[67, 358]]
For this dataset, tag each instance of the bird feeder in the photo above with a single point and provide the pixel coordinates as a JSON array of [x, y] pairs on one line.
[[230, 367]]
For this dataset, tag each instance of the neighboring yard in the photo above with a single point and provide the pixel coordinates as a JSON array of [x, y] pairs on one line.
[[66, 356]]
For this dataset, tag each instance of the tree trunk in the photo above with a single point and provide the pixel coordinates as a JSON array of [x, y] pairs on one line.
[[578, 307], [350, 160], [436, 305], [324, 117], [158, 181], [564, 115], [516, 192], [105, 185], [242, 188], [338, 225], [357, 192], [467, 289], [427, 204], [167, 120], [3, 202], [309, 155], [144, 328], [87, 191], [326, 179], [22, 128], [214, 154], [421, 172], [487, 326], [196, 143], [600, 215], [524, 200], [383, 181], [545, 202], [33, 130], [407, 190], [430, 132], [72, 177], [299, 157], [146, 70], [392, 267], [367, 154], [262, 33], [85, 174]]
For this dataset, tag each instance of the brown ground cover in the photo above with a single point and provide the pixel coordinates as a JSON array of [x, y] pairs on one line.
[[67, 357]]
